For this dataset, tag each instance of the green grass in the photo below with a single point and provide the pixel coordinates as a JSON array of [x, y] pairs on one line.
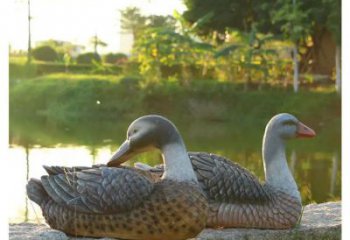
[[95, 110], [19, 69], [62, 96], [18, 59], [80, 77], [76, 99]]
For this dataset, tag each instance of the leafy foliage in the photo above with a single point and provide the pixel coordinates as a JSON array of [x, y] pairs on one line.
[[156, 21], [229, 14], [292, 19], [45, 53], [115, 58], [306, 24], [61, 47], [248, 54], [132, 20], [88, 58], [333, 22], [160, 46]]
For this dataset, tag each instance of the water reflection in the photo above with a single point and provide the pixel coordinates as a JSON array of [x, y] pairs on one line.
[[27, 177], [316, 166], [26, 163], [334, 174], [318, 176]]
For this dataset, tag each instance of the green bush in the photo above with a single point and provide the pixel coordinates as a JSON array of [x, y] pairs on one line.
[[47, 68], [88, 58], [115, 58], [131, 68], [45, 53], [24, 71]]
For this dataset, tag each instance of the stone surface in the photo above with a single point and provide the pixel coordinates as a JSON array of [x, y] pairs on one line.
[[319, 221]]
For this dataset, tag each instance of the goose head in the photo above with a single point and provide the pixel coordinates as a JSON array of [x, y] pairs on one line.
[[280, 129], [286, 126], [144, 134]]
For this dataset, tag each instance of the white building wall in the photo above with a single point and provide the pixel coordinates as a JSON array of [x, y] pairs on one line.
[[126, 42]]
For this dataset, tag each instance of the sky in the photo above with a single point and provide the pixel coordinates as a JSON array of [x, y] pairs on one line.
[[77, 21]]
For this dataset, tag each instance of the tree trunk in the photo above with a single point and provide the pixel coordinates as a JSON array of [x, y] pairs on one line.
[[29, 53], [296, 68], [185, 75], [338, 69], [248, 80]]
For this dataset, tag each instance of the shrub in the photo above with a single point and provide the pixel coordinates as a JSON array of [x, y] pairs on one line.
[[115, 58], [24, 71], [45, 53], [88, 58]]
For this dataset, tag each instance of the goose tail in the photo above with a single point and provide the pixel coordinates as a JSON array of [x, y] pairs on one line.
[[36, 191]]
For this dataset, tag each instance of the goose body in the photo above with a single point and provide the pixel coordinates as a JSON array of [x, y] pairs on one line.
[[237, 198], [122, 202]]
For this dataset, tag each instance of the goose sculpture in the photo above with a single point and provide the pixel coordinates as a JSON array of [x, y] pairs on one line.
[[236, 197], [121, 202]]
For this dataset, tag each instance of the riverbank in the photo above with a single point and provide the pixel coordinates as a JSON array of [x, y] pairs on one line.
[[106, 103], [319, 222], [76, 96]]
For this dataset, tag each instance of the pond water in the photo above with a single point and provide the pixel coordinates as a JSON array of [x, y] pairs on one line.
[[315, 163]]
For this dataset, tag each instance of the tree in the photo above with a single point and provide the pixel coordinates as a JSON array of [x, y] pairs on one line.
[[88, 58], [293, 21], [166, 47], [333, 23], [115, 58], [234, 14], [132, 20], [249, 53], [45, 53], [95, 41], [61, 47], [156, 21], [307, 24], [324, 18]]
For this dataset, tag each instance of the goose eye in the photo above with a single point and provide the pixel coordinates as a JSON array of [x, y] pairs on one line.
[[132, 132], [289, 123]]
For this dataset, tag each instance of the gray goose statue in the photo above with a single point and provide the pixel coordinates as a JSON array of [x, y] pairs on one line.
[[121, 202], [236, 197]]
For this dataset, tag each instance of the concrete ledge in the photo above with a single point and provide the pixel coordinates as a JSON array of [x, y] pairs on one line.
[[319, 222]]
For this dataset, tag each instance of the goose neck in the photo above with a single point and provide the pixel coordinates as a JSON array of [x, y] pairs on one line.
[[277, 173], [177, 165], [273, 156]]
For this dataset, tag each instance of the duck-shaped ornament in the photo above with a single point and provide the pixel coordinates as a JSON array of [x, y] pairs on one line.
[[237, 198], [121, 202]]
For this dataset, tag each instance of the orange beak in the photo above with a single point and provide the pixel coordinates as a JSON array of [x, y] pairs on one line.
[[304, 131]]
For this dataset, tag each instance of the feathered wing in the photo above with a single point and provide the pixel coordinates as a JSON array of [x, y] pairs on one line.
[[55, 170], [222, 180], [226, 181], [98, 190], [154, 176]]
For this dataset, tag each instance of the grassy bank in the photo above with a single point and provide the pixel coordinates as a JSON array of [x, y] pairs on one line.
[[70, 100], [67, 96]]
